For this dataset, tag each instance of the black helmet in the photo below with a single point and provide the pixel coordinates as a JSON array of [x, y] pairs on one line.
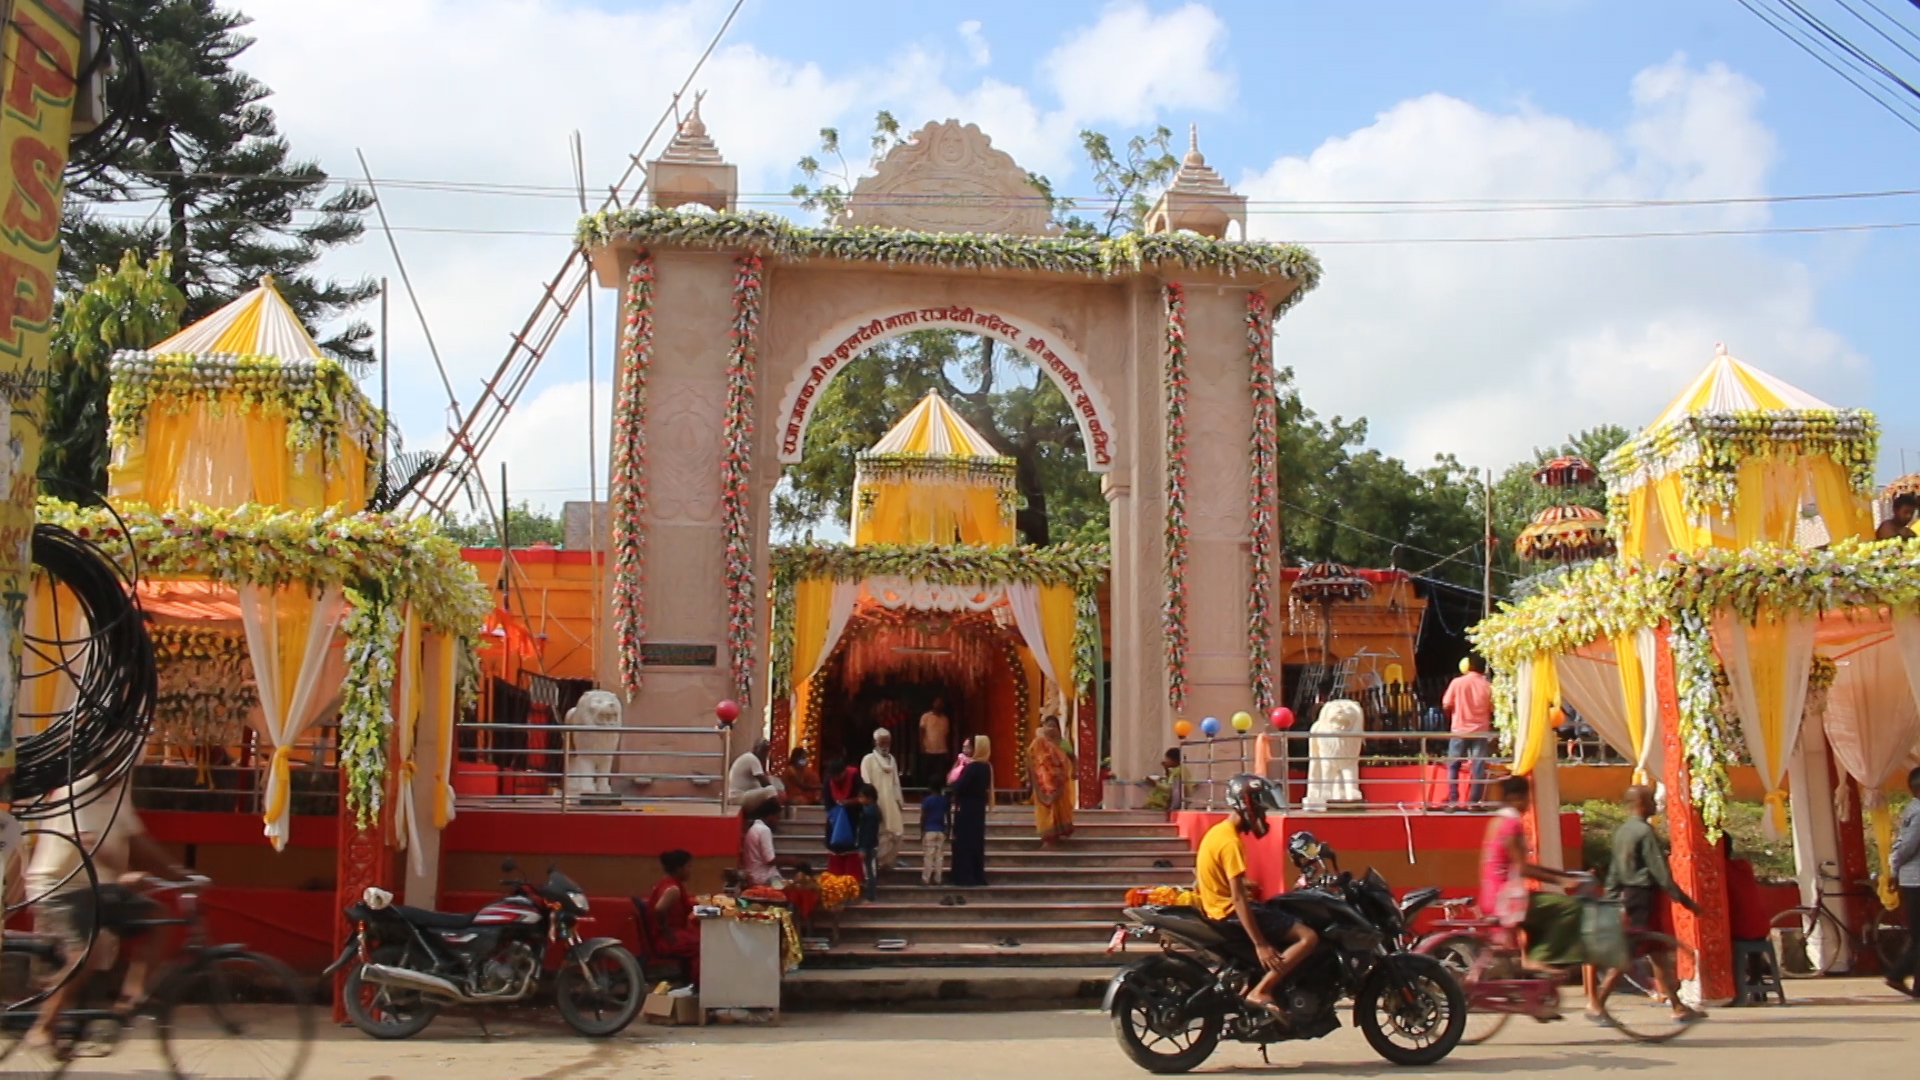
[[1251, 797], [1303, 848]]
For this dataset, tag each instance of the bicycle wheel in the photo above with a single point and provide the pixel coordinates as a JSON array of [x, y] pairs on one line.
[[18, 1061], [1461, 954], [1643, 1017], [1808, 942], [234, 1014]]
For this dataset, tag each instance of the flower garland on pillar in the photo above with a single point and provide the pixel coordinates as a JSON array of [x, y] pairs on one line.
[[736, 471], [629, 487], [1706, 732], [1173, 610], [366, 714], [1263, 497]]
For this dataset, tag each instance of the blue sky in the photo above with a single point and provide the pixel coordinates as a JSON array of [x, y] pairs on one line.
[[1482, 350]]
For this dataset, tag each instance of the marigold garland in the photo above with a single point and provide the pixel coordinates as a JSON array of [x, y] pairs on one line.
[[629, 480], [736, 472], [1263, 495], [1173, 609]]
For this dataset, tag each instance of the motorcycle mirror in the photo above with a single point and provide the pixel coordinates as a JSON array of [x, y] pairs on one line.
[[508, 866]]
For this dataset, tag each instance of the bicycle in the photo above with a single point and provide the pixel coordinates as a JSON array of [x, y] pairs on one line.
[[1485, 958], [1791, 931], [214, 1007]]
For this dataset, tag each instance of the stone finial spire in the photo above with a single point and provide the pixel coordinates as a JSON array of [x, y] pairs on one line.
[[1198, 200], [691, 169]]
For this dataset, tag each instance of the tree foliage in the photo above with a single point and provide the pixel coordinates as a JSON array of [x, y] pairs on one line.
[[206, 177], [526, 525], [131, 306]]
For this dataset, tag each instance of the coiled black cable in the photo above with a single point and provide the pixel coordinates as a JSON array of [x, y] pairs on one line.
[[110, 662]]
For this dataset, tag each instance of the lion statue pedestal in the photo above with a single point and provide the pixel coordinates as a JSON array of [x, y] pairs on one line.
[[1333, 761], [590, 765]]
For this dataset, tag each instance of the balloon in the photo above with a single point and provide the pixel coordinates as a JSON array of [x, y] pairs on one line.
[[1182, 729], [1210, 726], [1465, 665], [1281, 717], [728, 711], [1243, 722], [1556, 716]]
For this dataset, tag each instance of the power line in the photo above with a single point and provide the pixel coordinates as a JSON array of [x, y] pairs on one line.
[[1781, 26]]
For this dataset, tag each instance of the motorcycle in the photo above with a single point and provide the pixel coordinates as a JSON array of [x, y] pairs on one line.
[[409, 963], [1171, 1011]]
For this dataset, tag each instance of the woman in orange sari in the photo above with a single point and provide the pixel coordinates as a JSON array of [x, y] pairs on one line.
[[1051, 765]]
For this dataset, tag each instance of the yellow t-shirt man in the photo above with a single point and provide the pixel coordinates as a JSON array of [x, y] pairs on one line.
[[1220, 860]]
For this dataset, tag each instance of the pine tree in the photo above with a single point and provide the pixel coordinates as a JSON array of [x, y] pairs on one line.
[[130, 307], [207, 177]]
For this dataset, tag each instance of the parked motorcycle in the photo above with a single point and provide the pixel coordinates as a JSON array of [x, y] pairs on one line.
[[409, 963], [1170, 1011]]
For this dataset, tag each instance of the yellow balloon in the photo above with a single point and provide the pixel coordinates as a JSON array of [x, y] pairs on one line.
[[1242, 721], [1464, 665]]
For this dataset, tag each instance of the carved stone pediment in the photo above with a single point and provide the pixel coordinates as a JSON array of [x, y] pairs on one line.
[[947, 177]]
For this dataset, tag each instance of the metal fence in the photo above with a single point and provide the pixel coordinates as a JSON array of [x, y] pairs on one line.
[[232, 779], [1409, 771], [542, 765]]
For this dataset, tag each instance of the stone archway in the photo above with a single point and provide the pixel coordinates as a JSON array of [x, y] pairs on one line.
[[851, 339], [736, 321]]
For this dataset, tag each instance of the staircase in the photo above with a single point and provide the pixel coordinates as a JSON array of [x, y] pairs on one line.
[[1041, 908]]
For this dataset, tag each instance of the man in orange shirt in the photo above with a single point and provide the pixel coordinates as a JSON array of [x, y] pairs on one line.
[[1469, 705], [1220, 872]]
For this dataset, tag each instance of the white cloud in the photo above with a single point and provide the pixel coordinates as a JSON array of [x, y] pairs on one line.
[[1132, 65], [1489, 349], [976, 42], [544, 442]]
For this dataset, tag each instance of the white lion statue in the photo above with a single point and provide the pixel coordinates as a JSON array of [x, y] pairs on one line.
[[1333, 762], [591, 762]]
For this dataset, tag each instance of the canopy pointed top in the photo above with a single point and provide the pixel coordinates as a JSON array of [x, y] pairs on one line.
[[258, 323], [1729, 385], [933, 427]]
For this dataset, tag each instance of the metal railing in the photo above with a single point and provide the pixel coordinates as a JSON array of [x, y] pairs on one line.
[[232, 779], [549, 766], [1424, 756]]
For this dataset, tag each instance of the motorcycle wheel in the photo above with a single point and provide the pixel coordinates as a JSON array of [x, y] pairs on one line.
[[1416, 1018], [1157, 1035], [386, 1012], [607, 1002], [1458, 954]]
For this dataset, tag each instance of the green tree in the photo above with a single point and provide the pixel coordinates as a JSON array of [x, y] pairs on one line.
[[129, 307], [206, 176], [527, 526], [998, 390]]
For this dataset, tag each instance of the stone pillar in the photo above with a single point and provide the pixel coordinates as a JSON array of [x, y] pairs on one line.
[[1219, 416], [1698, 866], [1129, 740]]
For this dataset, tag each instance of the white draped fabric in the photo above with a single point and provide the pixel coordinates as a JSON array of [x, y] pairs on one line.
[[1024, 599], [839, 611], [288, 631], [1872, 719], [1592, 687], [1767, 667], [1650, 760], [408, 691]]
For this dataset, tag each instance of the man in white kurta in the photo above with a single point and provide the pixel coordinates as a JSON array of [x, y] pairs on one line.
[[882, 770]]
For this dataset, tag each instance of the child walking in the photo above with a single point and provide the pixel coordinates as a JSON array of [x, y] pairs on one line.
[[869, 838], [934, 811]]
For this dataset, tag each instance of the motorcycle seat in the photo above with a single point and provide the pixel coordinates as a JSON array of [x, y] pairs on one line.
[[428, 919]]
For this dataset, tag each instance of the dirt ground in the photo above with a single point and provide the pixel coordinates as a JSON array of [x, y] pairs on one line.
[[1856, 1025]]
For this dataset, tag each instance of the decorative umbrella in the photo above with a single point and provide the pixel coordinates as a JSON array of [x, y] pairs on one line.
[[1905, 485], [1570, 471], [1325, 584], [1565, 534]]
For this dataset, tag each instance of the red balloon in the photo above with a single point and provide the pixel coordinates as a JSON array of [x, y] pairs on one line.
[[728, 711], [1282, 717]]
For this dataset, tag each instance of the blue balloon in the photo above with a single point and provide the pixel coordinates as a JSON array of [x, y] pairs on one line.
[[1210, 726]]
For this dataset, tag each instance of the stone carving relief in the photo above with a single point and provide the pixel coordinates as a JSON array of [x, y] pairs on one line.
[[1217, 488], [947, 177], [685, 449]]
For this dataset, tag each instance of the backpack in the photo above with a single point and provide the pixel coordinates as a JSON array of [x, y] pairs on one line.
[[840, 838]]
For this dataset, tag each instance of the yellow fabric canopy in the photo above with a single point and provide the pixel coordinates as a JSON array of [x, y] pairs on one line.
[[258, 323], [933, 479]]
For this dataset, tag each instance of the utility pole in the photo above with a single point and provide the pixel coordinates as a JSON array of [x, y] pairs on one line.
[[386, 421], [1486, 566]]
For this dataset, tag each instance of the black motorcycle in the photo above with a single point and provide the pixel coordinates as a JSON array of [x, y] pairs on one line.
[[1170, 1011], [409, 963]]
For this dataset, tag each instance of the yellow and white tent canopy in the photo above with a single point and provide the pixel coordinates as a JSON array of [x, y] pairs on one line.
[[259, 323], [1739, 458], [934, 479]]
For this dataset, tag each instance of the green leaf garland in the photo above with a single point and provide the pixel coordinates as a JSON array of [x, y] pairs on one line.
[[629, 480], [366, 719], [1173, 607], [772, 236], [736, 472]]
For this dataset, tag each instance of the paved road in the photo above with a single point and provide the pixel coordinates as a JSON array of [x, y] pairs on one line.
[[1866, 1032]]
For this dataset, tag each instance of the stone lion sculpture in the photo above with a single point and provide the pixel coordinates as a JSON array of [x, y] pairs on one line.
[[591, 762], [1333, 762]]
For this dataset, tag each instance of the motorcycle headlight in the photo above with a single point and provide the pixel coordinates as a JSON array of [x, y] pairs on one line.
[[579, 901]]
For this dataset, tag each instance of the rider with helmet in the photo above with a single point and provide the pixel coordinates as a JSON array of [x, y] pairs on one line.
[[1280, 940]]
